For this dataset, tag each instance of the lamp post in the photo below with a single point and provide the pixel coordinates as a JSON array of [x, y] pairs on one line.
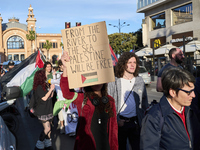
[[119, 26], [35, 40], [154, 71]]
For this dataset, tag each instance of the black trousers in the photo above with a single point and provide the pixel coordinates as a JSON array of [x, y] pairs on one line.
[[131, 131]]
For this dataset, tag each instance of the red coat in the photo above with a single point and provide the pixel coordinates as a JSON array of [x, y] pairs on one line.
[[84, 138]]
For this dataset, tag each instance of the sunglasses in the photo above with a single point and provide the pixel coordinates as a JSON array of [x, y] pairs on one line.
[[188, 92]]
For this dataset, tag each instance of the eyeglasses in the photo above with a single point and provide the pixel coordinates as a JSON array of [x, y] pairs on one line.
[[188, 92]]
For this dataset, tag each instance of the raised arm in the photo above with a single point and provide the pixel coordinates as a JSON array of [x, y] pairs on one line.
[[65, 59], [64, 85]]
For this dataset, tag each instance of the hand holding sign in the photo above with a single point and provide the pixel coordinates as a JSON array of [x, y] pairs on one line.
[[65, 58]]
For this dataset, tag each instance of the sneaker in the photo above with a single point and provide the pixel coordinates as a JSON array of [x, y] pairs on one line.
[[47, 143], [39, 145], [62, 130]]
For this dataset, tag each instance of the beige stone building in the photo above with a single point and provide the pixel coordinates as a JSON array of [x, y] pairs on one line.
[[169, 21], [14, 44]]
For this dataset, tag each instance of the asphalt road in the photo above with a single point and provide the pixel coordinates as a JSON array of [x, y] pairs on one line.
[[152, 93], [30, 128]]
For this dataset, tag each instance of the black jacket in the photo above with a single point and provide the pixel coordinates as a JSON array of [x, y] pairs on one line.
[[171, 133]]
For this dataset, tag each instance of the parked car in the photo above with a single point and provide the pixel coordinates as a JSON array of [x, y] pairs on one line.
[[145, 75], [8, 140]]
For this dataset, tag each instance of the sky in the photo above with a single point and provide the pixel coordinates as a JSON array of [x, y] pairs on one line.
[[51, 15]]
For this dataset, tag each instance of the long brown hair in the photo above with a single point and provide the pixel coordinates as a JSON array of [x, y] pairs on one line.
[[40, 79], [89, 94], [122, 64]]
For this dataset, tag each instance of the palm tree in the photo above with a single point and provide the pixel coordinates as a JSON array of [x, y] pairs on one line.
[[47, 46], [62, 46], [31, 37]]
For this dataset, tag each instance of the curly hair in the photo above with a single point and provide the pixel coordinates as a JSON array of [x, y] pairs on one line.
[[122, 64], [40, 79], [89, 93]]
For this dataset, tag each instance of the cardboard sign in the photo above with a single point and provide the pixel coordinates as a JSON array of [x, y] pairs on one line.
[[90, 57]]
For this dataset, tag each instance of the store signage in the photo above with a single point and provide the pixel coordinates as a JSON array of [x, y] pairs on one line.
[[181, 39], [177, 39], [157, 43]]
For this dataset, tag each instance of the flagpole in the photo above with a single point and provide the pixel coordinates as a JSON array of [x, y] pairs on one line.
[[42, 54]]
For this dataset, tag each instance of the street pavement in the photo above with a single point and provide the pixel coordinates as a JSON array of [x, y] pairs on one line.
[[152, 93], [30, 128]]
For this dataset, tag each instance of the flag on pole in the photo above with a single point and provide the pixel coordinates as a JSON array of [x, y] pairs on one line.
[[114, 58], [22, 75]]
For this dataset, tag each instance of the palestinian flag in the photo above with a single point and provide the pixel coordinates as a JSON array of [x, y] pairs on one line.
[[22, 75], [89, 77]]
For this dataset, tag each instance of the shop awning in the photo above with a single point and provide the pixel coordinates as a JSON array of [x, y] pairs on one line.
[[144, 52], [191, 46], [164, 49]]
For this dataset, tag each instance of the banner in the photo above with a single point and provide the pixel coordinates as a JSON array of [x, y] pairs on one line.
[[90, 56]]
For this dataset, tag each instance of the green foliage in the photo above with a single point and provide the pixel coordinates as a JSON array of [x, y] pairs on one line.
[[61, 45], [47, 46], [138, 34], [31, 37], [122, 42]]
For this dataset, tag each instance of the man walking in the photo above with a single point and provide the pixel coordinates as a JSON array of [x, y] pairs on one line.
[[176, 58], [130, 96], [171, 124]]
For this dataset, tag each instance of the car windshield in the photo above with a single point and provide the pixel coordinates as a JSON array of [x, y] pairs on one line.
[[142, 70]]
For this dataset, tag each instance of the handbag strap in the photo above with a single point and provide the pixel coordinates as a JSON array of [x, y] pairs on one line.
[[125, 100]]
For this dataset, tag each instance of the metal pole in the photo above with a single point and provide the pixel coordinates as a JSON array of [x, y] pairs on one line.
[[35, 40], [184, 45], [153, 62], [119, 26], [42, 54]]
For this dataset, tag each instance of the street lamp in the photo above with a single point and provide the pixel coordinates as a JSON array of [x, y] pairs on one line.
[[119, 26]]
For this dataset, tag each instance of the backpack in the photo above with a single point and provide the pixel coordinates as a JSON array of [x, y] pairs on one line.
[[154, 103]]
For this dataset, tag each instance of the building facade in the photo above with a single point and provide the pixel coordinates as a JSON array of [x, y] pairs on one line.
[[169, 21], [15, 46]]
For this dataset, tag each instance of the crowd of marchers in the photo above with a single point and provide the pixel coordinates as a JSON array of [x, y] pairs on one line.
[[116, 115]]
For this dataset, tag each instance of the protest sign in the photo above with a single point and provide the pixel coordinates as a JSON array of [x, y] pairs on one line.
[[90, 57]]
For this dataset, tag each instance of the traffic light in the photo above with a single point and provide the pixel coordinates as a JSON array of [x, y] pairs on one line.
[[67, 25], [78, 23]]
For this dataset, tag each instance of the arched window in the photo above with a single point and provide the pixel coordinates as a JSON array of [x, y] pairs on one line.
[[15, 42]]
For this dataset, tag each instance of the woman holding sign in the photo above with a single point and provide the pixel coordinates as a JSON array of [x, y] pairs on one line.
[[97, 126]]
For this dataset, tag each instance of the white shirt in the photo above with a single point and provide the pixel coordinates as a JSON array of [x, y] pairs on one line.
[[129, 108], [179, 111]]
